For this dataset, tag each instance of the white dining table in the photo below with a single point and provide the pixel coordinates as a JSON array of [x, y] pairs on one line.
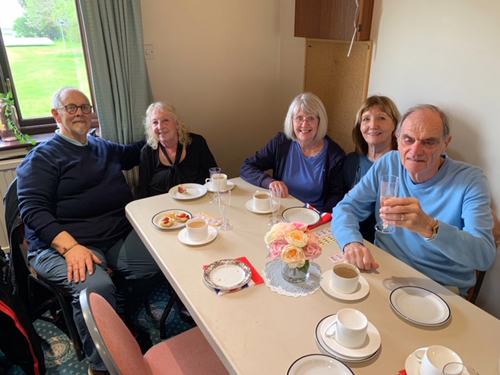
[[259, 331]]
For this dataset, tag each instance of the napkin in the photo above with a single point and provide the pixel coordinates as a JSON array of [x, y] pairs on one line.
[[213, 221], [325, 217], [256, 278]]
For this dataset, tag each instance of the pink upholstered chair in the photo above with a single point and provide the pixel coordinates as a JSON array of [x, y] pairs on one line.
[[187, 353]]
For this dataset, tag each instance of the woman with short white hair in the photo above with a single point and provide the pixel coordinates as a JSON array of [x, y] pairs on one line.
[[306, 162]]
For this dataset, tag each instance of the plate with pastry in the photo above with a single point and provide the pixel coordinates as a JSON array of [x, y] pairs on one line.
[[187, 191], [171, 219]]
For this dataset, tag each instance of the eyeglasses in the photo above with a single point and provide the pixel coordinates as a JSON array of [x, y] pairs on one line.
[[73, 108], [309, 119]]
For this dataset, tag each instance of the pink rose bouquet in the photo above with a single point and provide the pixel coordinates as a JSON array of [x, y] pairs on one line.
[[293, 243]]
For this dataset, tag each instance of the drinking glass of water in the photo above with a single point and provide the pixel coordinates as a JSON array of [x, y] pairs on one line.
[[275, 203], [214, 186], [224, 204], [388, 189]]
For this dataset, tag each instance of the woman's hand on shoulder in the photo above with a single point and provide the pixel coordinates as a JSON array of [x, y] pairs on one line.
[[279, 186]]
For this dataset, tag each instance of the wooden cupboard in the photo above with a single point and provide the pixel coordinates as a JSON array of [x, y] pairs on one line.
[[333, 19]]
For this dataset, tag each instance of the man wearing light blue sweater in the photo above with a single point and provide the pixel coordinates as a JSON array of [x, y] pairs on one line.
[[442, 218]]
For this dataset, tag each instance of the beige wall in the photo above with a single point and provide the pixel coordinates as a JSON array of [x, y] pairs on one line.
[[231, 68], [447, 53]]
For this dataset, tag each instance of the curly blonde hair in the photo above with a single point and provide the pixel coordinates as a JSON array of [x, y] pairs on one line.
[[169, 110]]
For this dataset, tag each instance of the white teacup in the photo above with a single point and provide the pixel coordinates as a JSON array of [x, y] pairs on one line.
[[349, 328], [434, 358], [217, 182], [345, 278], [197, 229], [261, 201]]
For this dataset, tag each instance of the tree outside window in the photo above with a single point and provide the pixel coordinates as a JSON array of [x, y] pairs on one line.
[[41, 50]]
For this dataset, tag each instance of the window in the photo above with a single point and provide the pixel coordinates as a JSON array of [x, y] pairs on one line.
[[42, 49]]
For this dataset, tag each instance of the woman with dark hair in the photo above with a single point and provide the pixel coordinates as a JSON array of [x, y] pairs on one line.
[[373, 135], [306, 162]]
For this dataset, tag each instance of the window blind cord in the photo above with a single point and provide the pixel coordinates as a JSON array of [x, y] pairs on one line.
[[356, 15]]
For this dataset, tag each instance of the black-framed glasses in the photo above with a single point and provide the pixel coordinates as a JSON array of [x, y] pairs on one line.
[[73, 108]]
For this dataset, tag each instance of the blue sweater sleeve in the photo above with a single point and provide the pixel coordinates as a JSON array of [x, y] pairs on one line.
[[253, 167]]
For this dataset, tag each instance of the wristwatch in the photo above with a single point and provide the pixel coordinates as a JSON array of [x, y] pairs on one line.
[[434, 231]]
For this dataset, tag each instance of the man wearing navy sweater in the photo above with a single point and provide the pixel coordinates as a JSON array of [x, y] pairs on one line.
[[72, 195]]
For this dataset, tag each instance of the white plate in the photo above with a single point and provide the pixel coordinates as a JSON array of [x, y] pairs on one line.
[[301, 215], [193, 191], [212, 235], [371, 345], [318, 364], [177, 224], [249, 207], [326, 284], [420, 306], [412, 366], [324, 349], [227, 274], [230, 186]]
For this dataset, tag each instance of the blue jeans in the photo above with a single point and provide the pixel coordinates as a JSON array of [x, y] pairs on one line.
[[127, 257]]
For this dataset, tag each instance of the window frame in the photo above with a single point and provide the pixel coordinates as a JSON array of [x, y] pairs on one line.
[[43, 125]]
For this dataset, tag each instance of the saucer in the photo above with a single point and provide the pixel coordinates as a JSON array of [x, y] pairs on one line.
[[362, 290], [249, 207], [371, 345], [412, 365], [230, 186], [318, 364], [212, 235], [324, 349]]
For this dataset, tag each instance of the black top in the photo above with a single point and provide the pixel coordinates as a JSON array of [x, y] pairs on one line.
[[156, 178]]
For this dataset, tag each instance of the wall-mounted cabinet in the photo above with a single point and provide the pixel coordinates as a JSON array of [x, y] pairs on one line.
[[333, 19]]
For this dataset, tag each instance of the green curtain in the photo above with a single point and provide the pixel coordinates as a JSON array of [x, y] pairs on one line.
[[121, 84]]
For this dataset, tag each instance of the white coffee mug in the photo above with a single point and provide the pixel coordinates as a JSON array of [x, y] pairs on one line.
[[261, 201], [349, 328], [434, 358], [217, 182], [197, 229], [345, 278]]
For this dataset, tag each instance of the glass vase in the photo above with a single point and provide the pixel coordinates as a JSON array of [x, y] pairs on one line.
[[294, 275]]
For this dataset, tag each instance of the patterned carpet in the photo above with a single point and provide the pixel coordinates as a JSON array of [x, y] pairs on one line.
[[60, 358]]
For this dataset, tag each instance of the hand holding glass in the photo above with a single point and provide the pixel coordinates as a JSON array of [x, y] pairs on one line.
[[275, 203], [388, 189], [224, 204]]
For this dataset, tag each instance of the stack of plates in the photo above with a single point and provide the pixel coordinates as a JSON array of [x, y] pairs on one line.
[[420, 306], [331, 347]]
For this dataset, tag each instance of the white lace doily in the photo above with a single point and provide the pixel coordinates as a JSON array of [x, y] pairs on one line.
[[274, 280]]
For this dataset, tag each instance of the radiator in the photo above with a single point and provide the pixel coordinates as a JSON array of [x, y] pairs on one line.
[[7, 175]]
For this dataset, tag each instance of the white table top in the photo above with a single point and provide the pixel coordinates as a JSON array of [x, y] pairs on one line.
[[258, 331]]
